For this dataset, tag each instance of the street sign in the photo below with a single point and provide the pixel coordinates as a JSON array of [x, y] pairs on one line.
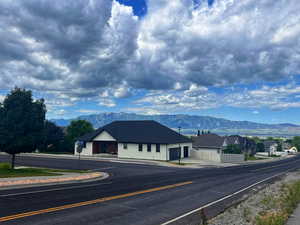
[[79, 146]]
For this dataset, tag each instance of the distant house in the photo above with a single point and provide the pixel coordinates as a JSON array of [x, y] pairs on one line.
[[145, 139], [270, 147], [245, 144]]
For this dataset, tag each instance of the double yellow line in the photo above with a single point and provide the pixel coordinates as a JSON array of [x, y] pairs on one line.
[[99, 200]]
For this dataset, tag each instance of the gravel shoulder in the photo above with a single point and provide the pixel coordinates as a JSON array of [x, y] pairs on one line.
[[257, 204]]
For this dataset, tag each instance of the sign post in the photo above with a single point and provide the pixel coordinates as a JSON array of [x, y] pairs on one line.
[[179, 150], [79, 147]]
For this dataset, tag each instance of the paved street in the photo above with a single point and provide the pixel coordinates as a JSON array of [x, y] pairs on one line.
[[128, 195]]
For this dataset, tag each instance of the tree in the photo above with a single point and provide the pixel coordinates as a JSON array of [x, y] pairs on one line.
[[233, 149], [296, 142], [22, 123], [53, 137], [279, 147], [260, 147], [76, 129]]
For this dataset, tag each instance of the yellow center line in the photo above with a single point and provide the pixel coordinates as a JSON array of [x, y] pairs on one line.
[[74, 205]]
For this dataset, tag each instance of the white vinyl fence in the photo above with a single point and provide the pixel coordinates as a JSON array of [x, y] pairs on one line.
[[205, 154], [232, 158]]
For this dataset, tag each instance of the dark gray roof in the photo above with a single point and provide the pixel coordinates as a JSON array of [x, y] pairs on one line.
[[208, 140], [268, 144], [139, 131]]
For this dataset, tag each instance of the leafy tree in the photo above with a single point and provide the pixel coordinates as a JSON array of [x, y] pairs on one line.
[[270, 139], [22, 123], [260, 147], [233, 149], [76, 129], [279, 147], [296, 142], [256, 139], [53, 137]]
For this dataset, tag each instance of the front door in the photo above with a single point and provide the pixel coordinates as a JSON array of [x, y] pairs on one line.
[[186, 151]]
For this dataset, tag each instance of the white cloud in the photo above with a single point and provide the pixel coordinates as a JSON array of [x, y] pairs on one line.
[[107, 102], [88, 111], [2, 97], [82, 49]]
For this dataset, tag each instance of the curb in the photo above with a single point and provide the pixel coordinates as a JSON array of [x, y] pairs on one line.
[[48, 182]]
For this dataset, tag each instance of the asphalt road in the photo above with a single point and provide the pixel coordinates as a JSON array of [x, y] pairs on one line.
[[133, 194]]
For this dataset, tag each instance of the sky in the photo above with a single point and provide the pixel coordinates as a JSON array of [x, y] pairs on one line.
[[232, 59]]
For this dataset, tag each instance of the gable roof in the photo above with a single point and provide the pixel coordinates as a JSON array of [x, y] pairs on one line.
[[138, 131], [208, 140]]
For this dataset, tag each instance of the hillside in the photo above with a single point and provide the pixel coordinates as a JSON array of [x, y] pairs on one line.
[[192, 123]]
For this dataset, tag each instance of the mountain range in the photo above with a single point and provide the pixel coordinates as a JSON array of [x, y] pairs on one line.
[[191, 123]]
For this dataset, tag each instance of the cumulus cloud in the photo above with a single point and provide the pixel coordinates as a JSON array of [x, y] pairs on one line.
[[278, 97], [226, 43], [2, 97], [101, 50]]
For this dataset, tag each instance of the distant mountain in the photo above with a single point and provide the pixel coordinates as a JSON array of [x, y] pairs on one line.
[[191, 123]]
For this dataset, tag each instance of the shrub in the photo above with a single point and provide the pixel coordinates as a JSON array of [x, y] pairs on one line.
[[5, 166]]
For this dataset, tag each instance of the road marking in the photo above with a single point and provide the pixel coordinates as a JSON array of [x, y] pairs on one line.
[[221, 199], [265, 168], [54, 189], [74, 205]]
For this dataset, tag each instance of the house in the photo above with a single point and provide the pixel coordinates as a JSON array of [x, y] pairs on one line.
[[208, 147], [246, 145], [270, 147], [211, 147], [292, 150], [145, 139]]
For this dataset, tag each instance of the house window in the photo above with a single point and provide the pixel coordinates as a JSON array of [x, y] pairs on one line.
[[140, 147], [157, 147], [125, 146], [148, 147]]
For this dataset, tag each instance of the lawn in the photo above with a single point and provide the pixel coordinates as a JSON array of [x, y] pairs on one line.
[[6, 171]]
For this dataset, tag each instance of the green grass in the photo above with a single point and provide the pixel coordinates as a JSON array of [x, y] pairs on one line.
[[279, 209], [6, 171]]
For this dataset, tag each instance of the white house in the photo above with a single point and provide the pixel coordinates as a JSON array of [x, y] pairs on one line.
[[270, 147], [210, 147], [140, 139]]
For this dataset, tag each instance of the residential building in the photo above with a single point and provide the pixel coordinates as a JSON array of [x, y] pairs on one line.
[[137, 140], [247, 145], [270, 147], [211, 147]]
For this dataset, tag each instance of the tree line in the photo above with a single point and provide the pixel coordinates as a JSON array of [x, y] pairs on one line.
[[24, 127]]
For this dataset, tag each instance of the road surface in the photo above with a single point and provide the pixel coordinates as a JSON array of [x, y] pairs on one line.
[[134, 194]]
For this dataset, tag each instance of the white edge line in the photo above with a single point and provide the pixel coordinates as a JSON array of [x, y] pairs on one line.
[[222, 199]]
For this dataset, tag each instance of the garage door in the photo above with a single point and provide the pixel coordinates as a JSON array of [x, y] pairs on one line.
[[174, 153]]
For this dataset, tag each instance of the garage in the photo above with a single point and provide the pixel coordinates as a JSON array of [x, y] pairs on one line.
[[174, 153]]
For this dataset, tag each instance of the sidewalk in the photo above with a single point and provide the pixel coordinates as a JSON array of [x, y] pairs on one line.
[[295, 217], [39, 180]]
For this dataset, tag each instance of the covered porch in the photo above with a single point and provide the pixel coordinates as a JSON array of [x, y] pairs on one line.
[[107, 147]]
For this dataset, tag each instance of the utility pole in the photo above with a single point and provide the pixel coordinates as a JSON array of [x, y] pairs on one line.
[[179, 151]]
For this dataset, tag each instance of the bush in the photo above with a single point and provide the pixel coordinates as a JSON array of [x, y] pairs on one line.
[[5, 166]]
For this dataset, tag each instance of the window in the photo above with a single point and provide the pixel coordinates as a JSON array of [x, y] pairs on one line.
[[148, 147], [157, 147], [140, 147], [125, 146]]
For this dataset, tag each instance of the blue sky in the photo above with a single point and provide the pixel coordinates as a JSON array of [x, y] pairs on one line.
[[226, 58]]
